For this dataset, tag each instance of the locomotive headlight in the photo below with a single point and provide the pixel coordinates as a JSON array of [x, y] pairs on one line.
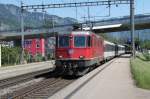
[[81, 57], [70, 51], [60, 56]]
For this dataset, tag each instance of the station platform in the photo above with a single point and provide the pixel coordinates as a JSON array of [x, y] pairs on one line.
[[112, 80], [13, 71]]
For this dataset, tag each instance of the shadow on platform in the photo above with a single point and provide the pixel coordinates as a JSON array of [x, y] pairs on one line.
[[125, 56]]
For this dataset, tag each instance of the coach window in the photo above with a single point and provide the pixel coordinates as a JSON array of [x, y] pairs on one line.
[[89, 41], [94, 42], [63, 41], [112, 48], [109, 48], [79, 41], [106, 48]]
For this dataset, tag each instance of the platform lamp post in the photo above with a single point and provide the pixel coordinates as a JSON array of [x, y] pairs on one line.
[[22, 35], [132, 9]]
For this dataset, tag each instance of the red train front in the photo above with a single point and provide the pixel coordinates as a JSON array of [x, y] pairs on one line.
[[78, 51]]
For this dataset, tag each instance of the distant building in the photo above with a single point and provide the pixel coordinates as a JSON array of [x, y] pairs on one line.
[[35, 46], [7, 44], [50, 45], [40, 46]]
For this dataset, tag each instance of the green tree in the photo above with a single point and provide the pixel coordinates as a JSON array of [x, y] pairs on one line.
[[10, 56], [49, 24], [145, 44], [112, 39]]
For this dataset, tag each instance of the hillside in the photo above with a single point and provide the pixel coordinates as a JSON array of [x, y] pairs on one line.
[[10, 18]]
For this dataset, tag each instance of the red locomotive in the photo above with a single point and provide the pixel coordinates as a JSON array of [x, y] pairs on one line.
[[78, 51]]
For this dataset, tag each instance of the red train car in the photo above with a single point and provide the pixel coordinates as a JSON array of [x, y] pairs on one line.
[[78, 51], [35, 46]]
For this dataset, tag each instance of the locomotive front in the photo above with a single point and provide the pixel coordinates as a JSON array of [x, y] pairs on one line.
[[73, 52]]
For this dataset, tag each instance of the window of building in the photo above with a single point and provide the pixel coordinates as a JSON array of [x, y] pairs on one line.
[[27, 43], [37, 43]]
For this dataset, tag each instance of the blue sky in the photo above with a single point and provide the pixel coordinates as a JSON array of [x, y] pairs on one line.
[[142, 6]]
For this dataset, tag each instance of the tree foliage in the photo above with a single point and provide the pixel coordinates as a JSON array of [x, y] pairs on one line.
[[112, 39], [145, 44], [49, 24], [10, 56]]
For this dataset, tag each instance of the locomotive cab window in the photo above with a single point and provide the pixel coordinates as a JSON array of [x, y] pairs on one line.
[[89, 41], [79, 41], [63, 41]]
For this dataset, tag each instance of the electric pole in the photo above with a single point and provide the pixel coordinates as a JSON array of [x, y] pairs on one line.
[[22, 34], [132, 9], [89, 21]]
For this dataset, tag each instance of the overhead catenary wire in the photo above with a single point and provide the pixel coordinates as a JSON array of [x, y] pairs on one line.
[[78, 4]]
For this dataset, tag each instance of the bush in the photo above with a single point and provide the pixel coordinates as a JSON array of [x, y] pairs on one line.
[[141, 72], [50, 56], [28, 57], [147, 56], [38, 58], [10, 56]]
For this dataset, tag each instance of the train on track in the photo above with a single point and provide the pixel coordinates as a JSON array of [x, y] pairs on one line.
[[80, 51]]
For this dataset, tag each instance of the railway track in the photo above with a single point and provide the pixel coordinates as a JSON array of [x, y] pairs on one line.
[[41, 90], [20, 79], [45, 88], [75, 87]]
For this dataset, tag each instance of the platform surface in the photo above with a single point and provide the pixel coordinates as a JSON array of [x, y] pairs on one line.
[[12, 71], [113, 82]]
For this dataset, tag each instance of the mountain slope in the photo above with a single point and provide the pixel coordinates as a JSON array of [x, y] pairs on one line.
[[10, 18]]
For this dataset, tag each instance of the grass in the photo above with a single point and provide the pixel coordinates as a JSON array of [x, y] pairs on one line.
[[140, 69]]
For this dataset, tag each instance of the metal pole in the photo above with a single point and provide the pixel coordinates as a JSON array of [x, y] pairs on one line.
[[76, 12], [0, 56], [53, 24], [22, 34], [89, 21], [132, 26], [88, 13]]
